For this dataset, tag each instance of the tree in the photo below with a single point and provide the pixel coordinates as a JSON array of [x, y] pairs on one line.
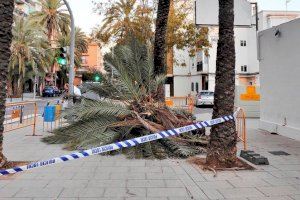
[[6, 16], [124, 18], [28, 48], [222, 146], [127, 109], [160, 46], [53, 17]]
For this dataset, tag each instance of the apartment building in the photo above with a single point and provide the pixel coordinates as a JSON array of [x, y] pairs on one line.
[[24, 7]]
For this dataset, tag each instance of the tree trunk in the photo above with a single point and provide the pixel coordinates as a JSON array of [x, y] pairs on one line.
[[160, 42], [222, 146], [6, 16]]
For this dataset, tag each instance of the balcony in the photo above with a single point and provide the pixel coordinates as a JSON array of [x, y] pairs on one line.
[[20, 1], [20, 12]]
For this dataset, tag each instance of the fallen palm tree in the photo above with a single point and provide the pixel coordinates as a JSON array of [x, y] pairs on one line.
[[128, 109]]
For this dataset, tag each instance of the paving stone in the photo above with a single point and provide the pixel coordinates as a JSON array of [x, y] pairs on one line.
[[214, 184], [212, 193], [295, 197], [112, 169], [254, 182], [241, 193], [100, 176], [146, 198], [3, 183], [277, 181], [195, 192], [8, 192], [120, 176], [132, 163], [39, 193], [16, 199], [161, 176], [27, 184], [145, 183], [145, 169], [246, 175], [87, 193], [167, 192], [106, 183], [125, 192], [221, 176], [85, 175], [68, 184], [279, 190], [286, 174], [271, 198], [99, 198], [56, 176], [174, 183]]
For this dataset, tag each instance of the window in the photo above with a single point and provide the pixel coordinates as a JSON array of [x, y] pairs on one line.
[[199, 66], [197, 87], [84, 59], [243, 43], [192, 87], [244, 68]]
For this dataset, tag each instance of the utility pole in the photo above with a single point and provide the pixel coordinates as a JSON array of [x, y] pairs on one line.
[[72, 49]]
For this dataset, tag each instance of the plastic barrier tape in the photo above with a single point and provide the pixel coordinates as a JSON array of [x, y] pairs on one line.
[[118, 145]]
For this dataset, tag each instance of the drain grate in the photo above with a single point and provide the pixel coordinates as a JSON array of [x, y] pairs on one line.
[[279, 153]]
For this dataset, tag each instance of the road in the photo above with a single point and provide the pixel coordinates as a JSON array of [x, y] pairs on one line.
[[41, 103], [202, 110]]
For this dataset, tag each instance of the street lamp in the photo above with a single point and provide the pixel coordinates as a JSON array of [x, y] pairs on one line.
[[72, 49]]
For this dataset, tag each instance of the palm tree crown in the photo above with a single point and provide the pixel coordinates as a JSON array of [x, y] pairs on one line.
[[53, 17], [28, 45]]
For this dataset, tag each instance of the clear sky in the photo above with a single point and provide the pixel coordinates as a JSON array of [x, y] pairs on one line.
[[87, 19]]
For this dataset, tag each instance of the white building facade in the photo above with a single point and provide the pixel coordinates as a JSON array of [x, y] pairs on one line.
[[193, 74], [279, 50]]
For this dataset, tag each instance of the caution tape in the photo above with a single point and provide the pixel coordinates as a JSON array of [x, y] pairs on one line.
[[118, 145]]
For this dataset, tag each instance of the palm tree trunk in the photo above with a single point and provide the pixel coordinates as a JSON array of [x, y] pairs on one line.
[[222, 146], [160, 42], [6, 16]]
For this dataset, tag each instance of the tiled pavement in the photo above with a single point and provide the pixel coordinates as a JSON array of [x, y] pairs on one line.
[[116, 177]]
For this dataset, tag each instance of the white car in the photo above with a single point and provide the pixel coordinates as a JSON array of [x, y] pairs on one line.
[[205, 97]]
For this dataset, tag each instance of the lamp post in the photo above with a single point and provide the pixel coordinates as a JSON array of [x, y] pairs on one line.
[[72, 49]]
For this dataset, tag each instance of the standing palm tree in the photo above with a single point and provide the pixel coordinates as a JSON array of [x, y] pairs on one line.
[[6, 16], [124, 18], [160, 37], [160, 43], [53, 18], [222, 146], [28, 46]]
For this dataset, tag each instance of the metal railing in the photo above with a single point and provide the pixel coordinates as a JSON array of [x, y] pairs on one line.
[[20, 115], [241, 126], [186, 103]]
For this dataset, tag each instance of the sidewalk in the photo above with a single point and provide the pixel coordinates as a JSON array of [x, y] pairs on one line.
[[105, 177]]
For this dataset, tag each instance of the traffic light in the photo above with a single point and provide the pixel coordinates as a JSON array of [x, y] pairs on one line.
[[97, 78], [62, 59]]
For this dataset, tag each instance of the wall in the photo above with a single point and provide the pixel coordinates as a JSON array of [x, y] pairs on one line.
[[279, 77], [93, 57], [250, 105]]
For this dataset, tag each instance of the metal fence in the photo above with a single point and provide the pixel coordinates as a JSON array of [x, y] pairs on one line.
[[20, 115]]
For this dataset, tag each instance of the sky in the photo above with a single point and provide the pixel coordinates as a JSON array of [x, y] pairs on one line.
[[86, 19]]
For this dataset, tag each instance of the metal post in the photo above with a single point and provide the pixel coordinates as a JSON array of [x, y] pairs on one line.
[[72, 49]]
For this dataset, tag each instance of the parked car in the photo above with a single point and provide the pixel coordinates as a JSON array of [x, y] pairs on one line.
[[205, 97], [51, 91]]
